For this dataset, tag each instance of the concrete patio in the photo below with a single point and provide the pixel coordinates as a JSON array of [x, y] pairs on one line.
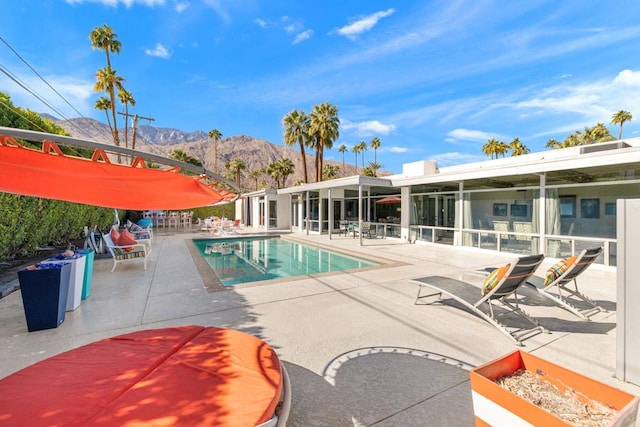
[[357, 349]]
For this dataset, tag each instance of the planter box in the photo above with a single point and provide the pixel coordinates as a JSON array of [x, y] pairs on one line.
[[88, 271], [496, 406], [76, 279], [44, 295]]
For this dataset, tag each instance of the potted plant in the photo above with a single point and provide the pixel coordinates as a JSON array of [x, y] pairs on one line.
[[495, 405]]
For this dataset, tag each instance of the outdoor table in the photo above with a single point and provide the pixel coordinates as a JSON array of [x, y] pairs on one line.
[[180, 376]]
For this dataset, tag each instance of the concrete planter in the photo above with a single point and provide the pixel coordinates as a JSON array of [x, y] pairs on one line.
[[496, 406]]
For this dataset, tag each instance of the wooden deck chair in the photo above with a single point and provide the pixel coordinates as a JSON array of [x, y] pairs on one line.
[[503, 282], [559, 278]]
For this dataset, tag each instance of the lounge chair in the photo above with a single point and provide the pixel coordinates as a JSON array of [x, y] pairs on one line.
[[501, 283], [559, 278], [126, 252]]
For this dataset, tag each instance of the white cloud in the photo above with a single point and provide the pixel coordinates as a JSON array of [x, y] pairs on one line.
[[78, 92], [456, 158], [160, 51], [593, 101], [362, 25], [468, 135], [260, 22], [367, 128], [182, 6], [305, 35], [396, 149]]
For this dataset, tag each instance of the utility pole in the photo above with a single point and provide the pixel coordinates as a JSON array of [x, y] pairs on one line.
[[135, 125]]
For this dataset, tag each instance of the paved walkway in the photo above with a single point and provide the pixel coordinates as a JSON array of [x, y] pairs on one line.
[[359, 352]]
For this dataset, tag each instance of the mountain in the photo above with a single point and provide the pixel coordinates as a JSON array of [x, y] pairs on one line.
[[256, 153]]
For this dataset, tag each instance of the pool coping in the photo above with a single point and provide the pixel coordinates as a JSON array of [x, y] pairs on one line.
[[212, 283]]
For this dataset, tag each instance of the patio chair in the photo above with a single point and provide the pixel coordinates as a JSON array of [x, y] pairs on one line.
[[125, 251], [558, 280], [138, 231], [365, 230], [503, 282]]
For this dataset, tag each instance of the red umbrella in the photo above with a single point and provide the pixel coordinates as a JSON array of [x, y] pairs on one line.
[[388, 200]]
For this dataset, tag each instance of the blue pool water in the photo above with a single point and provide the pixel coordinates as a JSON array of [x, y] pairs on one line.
[[237, 261]]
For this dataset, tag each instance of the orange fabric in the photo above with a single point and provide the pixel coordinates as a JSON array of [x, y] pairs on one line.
[[126, 239], [570, 261], [54, 176], [115, 236], [179, 376]]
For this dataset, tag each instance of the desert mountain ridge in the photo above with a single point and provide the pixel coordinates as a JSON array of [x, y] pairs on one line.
[[256, 153]]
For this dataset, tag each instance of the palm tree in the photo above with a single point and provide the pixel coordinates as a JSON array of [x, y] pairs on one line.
[[330, 172], [518, 148], [107, 80], [356, 149], [216, 135], [235, 167], [363, 148], [593, 135], [256, 174], [375, 144], [619, 118], [286, 168], [553, 144], [103, 38], [502, 149], [491, 147], [296, 131], [324, 129], [104, 104], [342, 149], [180, 155], [273, 170], [374, 167], [126, 99]]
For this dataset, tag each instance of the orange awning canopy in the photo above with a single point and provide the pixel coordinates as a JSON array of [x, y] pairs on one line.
[[53, 175]]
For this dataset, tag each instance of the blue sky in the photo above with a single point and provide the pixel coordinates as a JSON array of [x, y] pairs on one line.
[[432, 79]]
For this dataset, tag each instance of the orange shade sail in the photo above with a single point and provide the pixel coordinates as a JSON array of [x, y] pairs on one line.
[[53, 175]]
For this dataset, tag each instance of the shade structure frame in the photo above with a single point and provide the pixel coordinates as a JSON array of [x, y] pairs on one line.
[[50, 173]]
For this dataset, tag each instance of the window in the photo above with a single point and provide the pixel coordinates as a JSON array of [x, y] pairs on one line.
[[568, 206]]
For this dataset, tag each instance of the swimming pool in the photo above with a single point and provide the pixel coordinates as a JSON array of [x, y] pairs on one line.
[[236, 261]]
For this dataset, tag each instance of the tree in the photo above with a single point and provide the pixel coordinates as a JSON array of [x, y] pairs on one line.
[[619, 118], [235, 168], [256, 174], [126, 99], [373, 167], [375, 144], [342, 149], [286, 168], [273, 170], [104, 104], [330, 172], [181, 156], [296, 131], [502, 149], [216, 135], [355, 150], [103, 38], [491, 147], [553, 144], [324, 129], [518, 148], [593, 135], [362, 148]]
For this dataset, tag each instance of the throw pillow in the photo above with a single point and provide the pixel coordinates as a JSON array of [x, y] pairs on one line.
[[494, 278], [558, 269], [126, 239], [115, 235]]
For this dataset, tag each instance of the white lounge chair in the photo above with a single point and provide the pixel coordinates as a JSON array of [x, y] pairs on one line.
[[558, 281], [506, 282]]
